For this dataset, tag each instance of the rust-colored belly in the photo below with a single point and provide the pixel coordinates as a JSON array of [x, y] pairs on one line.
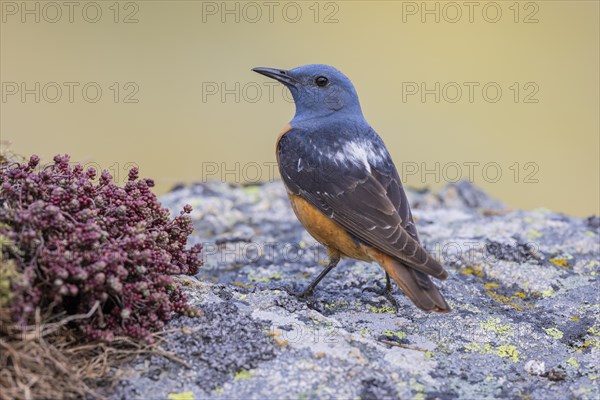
[[326, 231]]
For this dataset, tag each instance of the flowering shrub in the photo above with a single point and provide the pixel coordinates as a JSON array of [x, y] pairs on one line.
[[79, 243]]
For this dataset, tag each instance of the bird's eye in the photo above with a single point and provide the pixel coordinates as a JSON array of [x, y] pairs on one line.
[[321, 81]]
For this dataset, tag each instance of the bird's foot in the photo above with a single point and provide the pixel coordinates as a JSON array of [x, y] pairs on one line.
[[385, 291], [295, 291], [302, 294], [390, 298], [379, 289]]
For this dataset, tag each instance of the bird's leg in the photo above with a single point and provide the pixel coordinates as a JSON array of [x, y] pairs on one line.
[[381, 292], [333, 261], [385, 292]]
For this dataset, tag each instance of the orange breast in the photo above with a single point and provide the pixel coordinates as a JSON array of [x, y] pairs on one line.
[[326, 231]]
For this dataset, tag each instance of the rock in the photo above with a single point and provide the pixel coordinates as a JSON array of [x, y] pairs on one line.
[[556, 375], [465, 195], [593, 222], [535, 367], [523, 286]]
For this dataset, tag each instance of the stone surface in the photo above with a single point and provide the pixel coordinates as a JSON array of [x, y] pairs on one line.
[[523, 286]]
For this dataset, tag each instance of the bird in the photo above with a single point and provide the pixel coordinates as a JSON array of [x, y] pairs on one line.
[[344, 188]]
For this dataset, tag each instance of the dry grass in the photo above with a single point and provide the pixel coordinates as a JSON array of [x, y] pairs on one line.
[[50, 360]]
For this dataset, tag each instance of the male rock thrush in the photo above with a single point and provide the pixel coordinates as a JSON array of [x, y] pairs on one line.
[[344, 186]]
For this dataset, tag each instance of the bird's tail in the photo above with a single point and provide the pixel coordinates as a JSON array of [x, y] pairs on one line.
[[415, 284]]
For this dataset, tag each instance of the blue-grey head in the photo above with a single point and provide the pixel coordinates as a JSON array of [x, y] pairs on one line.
[[319, 90]]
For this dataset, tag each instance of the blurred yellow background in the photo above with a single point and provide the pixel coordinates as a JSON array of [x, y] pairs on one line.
[[503, 93]]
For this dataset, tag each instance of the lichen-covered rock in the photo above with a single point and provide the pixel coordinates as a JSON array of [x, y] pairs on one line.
[[523, 286]]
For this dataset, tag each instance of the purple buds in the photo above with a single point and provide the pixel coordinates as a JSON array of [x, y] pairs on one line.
[[82, 242]]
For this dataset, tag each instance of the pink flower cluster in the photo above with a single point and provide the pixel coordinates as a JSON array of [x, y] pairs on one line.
[[81, 242]]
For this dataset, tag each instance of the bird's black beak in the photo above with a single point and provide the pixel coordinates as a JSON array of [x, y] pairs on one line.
[[280, 75]]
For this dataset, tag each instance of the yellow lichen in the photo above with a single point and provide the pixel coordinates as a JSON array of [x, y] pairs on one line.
[[472, 347], [389, 333], [548, 293], [560, 262], [509, 352], [493, 325], [583, 346], [555, 333], [514, 301], [276, 275], [594, 331], [181, 396], [241, 284], [418, 388], [382, 310], [336, 305], [419, 396], [243, 375], [322, 323], [573, 362], [472, 271]]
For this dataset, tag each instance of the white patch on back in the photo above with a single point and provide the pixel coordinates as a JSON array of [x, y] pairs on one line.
[[359, 153]]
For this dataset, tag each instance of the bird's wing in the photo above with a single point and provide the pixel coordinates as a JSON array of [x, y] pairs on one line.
[[352, 179]]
